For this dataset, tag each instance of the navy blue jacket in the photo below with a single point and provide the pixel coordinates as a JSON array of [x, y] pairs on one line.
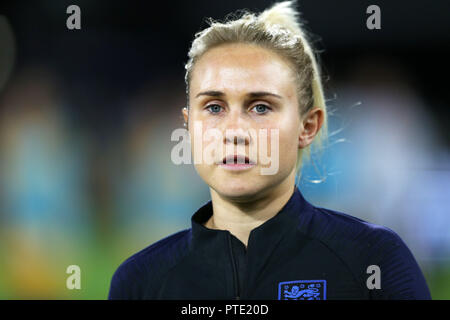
[[303, 252]]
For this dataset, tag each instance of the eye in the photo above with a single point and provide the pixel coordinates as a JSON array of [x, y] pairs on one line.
[[261, 108], [214, 108]]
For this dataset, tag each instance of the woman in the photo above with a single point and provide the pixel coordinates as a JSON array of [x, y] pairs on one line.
[[258, 238]]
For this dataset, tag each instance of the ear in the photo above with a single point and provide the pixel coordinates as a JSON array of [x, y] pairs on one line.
[[310, 126], [185, 114]]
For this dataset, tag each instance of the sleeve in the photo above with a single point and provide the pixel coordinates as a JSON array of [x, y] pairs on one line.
[[401, 277]]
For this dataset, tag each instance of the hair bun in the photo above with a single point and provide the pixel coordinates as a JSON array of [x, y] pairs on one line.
[[283, 14]]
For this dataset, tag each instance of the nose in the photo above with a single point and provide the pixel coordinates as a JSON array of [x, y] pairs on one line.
[[237, 137], [236, 129]]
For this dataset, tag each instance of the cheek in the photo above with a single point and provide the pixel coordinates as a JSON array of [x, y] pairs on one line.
[[283, 134], [288, 141], [205, 139], [198, 118]]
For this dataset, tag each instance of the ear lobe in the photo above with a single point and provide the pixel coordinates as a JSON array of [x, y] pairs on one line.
[[305, 138], [301, 137], [185, 113], [301, 142]]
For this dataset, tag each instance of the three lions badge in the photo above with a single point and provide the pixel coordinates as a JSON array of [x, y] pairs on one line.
[[302, 290]]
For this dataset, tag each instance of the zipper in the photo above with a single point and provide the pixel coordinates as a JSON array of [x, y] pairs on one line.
[[235, 273]]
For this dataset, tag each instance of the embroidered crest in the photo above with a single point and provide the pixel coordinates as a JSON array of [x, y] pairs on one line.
[[302, 290]]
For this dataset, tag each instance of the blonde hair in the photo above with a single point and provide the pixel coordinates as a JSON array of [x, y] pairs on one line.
[[277, 29]]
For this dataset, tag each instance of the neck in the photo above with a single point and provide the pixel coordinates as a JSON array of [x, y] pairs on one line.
[[240, 218]]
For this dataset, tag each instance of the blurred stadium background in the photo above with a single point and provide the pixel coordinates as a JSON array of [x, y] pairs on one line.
[[86, 118]]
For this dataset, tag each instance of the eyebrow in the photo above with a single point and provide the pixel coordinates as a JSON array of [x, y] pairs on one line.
[[257, 94]]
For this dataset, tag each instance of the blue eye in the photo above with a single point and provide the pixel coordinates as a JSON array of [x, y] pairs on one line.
[[261, 108], [214, 108]]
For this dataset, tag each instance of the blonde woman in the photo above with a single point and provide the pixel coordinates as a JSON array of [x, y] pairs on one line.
[[258, 238]]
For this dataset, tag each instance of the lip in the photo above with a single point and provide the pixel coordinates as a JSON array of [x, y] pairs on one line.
[[231, 163], [237, 167]]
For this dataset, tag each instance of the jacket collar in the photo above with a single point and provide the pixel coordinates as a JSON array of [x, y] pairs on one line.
[[296, 212]]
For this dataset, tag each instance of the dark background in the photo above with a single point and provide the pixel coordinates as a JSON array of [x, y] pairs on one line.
[[86, 117], [123, 44]]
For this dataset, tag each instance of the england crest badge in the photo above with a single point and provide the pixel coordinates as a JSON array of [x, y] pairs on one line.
[[302, 290]]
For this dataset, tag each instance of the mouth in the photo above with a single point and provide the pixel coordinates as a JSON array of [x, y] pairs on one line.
[[236, 162]]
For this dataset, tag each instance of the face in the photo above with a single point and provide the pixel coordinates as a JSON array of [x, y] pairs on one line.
[[245, 88]]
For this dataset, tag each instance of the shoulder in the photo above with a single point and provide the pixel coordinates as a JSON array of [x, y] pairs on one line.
[[138, 275], [334, 226], [349, 236], [361, 245]]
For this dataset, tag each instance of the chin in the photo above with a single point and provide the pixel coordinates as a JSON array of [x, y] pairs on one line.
[[236, 194], [237, 188]]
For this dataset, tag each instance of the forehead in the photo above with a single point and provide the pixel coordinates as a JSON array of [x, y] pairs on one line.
[[241, 68]]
